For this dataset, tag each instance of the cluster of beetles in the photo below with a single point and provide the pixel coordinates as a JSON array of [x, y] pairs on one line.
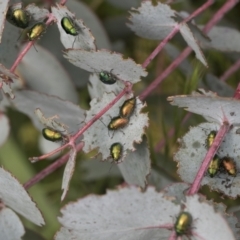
[[220, 165], [21, 18]]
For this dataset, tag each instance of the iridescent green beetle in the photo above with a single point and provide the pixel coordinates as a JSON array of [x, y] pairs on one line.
[[210, 138], [128, 107], [18, 17], [107, 77], [69, 26], [214, 166], [117, 123], [116, 151], [36, 31], [52, 135], [183, 223]]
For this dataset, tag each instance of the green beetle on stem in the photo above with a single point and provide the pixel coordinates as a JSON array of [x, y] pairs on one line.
[[210, 138], [214, 166], [183, 223], [52, 135], [36, 31]]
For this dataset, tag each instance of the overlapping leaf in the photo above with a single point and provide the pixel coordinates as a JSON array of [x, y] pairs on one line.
[[47, 75], [137, 165], [28, 101], [210, 106], [179, 190], [68, 172], [127, 214], [132, 132], [3, 7], [6, 77], [193, 150], [104, 60], [157, 22], [4, 128], [223, 39], [13, 194], [11, 226], [96, 88], [133, 215]]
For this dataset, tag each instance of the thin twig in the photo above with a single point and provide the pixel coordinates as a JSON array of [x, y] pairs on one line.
[[174, 31], [235, 67], [50, 169]]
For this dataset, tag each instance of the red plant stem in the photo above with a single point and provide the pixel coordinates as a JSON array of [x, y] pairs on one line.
[[63, 2], [21, 55], [98, 115], [51, 168], [209, 156], [73, 138], [217, 16], [237, 92], [212, 150], [220, 13], [235, 67], [172, 236], [174, 31], [47, 155], [51, 18]]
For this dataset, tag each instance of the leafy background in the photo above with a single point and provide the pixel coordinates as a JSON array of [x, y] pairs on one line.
[[102, 17]]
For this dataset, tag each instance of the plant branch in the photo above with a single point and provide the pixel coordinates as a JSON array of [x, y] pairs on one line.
[[226, 7], [209, 156], [174, 31], [216, 17], [50, 169], [72, 139], [235, 67], [51, 19]]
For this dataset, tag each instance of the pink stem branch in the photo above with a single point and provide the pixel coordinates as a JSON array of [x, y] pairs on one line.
[[212, 151], [63, 2], [98, 115], [209, 156], [51, 18], [235, 67], [173, 32], [50, 169], [237, 92], [73, 138], [217, 16]]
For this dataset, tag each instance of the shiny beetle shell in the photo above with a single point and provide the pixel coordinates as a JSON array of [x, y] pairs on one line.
[[116, 151], [128, 107], [52, 135], [183, 223], [19, 17], [210, 138], [107, 77], [117, 123], [69, 26], [214, 166], [229, 166], [36, 31]]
